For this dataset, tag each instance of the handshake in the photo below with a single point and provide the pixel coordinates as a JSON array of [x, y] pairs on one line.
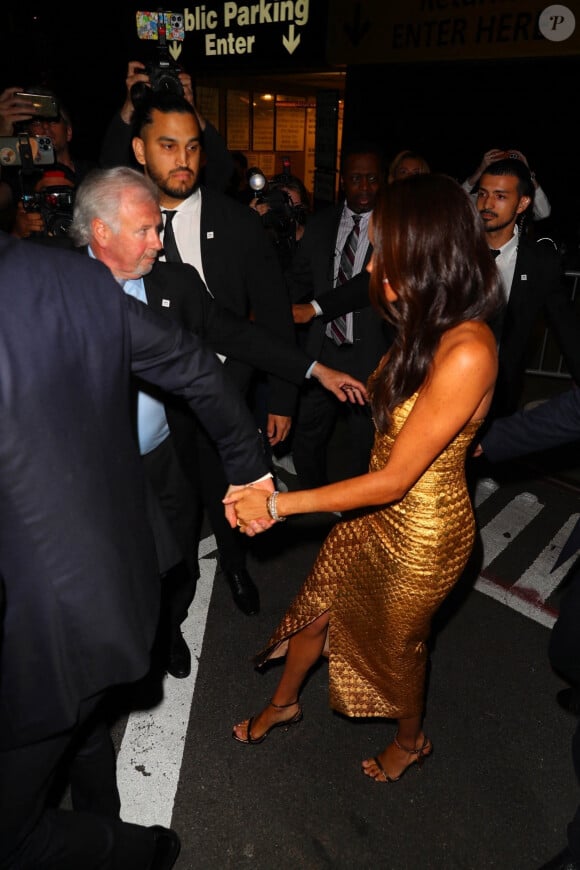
[[253, 508]]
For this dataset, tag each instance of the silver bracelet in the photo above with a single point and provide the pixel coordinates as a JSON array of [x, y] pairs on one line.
[[271, 506]]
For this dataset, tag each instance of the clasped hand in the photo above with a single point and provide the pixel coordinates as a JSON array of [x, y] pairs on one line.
[[246, 507]]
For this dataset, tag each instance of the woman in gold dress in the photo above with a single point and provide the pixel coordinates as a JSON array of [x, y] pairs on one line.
[[380, 576]]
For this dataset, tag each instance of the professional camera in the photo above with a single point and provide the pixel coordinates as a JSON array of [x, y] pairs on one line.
[[283, 214], [55, 204], [163, 78], [163, 72]]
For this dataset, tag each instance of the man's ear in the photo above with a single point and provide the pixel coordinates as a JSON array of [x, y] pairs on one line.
[[138, 149], [523, 204], [100, 230]]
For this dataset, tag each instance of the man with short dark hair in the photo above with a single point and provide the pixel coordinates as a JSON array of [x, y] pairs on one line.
[[355, 342], [532, 278], [230, 249]]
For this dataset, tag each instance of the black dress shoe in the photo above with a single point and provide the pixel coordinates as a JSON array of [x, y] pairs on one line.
[[569, 700], [179, 660], [564, 860], [244, 591], [167, 848]]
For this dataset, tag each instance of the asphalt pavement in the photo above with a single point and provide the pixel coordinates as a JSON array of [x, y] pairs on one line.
[[499, 788], [497, 791]]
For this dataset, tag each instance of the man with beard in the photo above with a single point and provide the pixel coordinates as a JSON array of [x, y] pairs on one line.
[[532, 277], [230, 249]]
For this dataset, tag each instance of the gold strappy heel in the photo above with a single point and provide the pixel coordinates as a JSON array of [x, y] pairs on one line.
[[285, 724], [420, 754]]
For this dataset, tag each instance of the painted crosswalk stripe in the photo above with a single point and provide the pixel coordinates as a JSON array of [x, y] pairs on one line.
[[539, 580], [149, 759], [501, 531]]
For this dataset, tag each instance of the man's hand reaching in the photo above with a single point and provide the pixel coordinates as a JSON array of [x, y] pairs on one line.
[[344, 387]]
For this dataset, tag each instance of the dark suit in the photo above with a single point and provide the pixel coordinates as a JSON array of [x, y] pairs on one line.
[[76, 553], [552, 424], [176, 290], [311, 275], [536, 288], [242, 272]]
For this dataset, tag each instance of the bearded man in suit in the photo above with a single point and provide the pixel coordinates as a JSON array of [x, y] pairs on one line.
[[232, 253], [532, 278]]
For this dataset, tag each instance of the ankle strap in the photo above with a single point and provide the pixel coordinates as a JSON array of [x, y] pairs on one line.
[[283, 706], [411, 751]]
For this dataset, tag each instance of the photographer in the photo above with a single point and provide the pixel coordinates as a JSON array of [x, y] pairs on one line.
[[283, 204], [46, 212], [15, 118], [116, 148]]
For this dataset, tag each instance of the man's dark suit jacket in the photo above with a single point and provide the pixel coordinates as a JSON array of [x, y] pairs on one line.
[[76, 552], [242, 272], [176, 290], [551, 424], [537, 288], [311, 275]]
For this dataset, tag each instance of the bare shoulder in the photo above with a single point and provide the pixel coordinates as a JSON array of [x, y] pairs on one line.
[[468, 343]]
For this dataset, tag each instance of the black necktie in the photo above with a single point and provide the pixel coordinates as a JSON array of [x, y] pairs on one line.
[[172, 254], [337, 328], [495, 251]]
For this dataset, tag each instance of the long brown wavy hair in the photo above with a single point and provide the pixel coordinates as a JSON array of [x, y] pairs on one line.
[[429, 241]]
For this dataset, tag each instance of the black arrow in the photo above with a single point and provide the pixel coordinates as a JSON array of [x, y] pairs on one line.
[[357, 29]]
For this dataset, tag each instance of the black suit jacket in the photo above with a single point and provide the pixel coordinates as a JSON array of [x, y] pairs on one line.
[[242, 272], [311, 275], [177, 290], [551, 424], [537, 287], [76, 552]]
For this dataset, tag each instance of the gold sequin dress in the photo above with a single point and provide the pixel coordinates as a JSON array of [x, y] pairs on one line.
[[382, 576]]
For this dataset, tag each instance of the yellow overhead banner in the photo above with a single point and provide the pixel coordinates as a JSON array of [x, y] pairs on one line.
[[388, 31]]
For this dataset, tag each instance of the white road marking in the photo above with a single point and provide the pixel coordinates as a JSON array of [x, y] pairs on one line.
[[539, 579], [149, 759], [484, 487], [520, 605], [507, 524]]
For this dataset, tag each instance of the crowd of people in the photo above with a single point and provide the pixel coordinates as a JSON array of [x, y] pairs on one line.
[[201, 346]]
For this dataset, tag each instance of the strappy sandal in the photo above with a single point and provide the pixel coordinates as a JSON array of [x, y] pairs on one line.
[[285, 724], [420, 754]]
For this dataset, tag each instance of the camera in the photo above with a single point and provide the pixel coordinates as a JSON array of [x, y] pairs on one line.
[[283, 214], [163, 78], [55, 204], [163, 72]]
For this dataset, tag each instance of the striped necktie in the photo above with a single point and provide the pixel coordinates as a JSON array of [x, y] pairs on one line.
[[337, 329]]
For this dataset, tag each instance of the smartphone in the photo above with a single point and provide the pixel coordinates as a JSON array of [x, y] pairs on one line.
[[41, 105], [24, 150]]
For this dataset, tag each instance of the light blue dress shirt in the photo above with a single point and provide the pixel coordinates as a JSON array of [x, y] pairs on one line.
[[152, 426]]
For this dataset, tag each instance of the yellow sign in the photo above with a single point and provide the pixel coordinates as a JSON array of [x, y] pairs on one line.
[[388, 31]]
